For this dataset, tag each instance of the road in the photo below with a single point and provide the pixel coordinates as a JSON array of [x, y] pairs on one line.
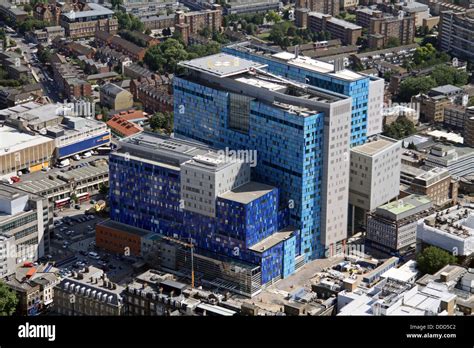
[[38, 71]]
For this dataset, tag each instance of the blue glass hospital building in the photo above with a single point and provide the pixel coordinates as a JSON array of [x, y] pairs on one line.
[[265, 221]]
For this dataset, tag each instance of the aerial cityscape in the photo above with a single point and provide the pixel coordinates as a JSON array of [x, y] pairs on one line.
[[236, 158]]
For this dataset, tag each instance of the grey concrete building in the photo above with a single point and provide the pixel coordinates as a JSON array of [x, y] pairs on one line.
[[375, 176], [392, 227], [25, 221]]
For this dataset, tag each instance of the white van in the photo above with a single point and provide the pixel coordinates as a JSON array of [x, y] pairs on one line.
[[94, 255]]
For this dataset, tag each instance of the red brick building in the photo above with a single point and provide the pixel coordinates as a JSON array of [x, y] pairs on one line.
[[187, 23], [154, 93]]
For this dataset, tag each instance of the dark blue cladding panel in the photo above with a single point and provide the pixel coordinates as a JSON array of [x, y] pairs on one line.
[[84, 145]]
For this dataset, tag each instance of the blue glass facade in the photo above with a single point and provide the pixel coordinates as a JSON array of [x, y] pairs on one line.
[[289, 149], [147, 195], [357, 89]]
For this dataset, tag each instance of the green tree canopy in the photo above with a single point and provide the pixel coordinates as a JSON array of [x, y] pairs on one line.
[[165, 56], [449, 75], [399, 129], [272, 16], [432, 259], [414, 85], [8, 300]]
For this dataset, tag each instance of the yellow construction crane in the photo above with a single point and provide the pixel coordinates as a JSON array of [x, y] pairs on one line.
[[188, 245]]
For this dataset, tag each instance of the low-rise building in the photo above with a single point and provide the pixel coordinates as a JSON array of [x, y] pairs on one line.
[[27, 218], [15, 96], [451, 229], [88, 293], [393, 113], [454, 116], [145, 8], [21, 150], [347, 32], [248, 6], [457, 159], [58, 187], [436, 184], [12, 63], [392, 227], [393, 297], [12, 12], [456, 95], [86, 18], [121, 127], [154, 93], [119, 44], [34, 287], [459, 281], [157, 293], [48, 34], [431, 108], [115, 97]]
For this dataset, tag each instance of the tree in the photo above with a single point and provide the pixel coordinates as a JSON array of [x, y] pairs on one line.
[[432, 259], [103, 189], [250, 28], [27, 8], [8, 300], [449, 75], [116, 3], [30, 24], [148, 31], [399, 129], [272, 16], [414, 85], [162, 121], [127, 21], [45, 55]]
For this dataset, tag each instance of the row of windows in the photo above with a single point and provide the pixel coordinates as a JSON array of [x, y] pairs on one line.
[[274, 119], [197, 94]]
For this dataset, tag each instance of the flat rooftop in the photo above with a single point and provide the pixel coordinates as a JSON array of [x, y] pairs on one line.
[[336, 21], [273, 240], [457, 221], [450, 136], [32, 112], [125, 228], [300, 61], [13, 140], [374, 147], [221, 65], [405, 205], [248, 192], [94, 10]]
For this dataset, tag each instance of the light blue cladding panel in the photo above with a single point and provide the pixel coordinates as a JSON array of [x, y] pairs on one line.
[[358, 89]]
